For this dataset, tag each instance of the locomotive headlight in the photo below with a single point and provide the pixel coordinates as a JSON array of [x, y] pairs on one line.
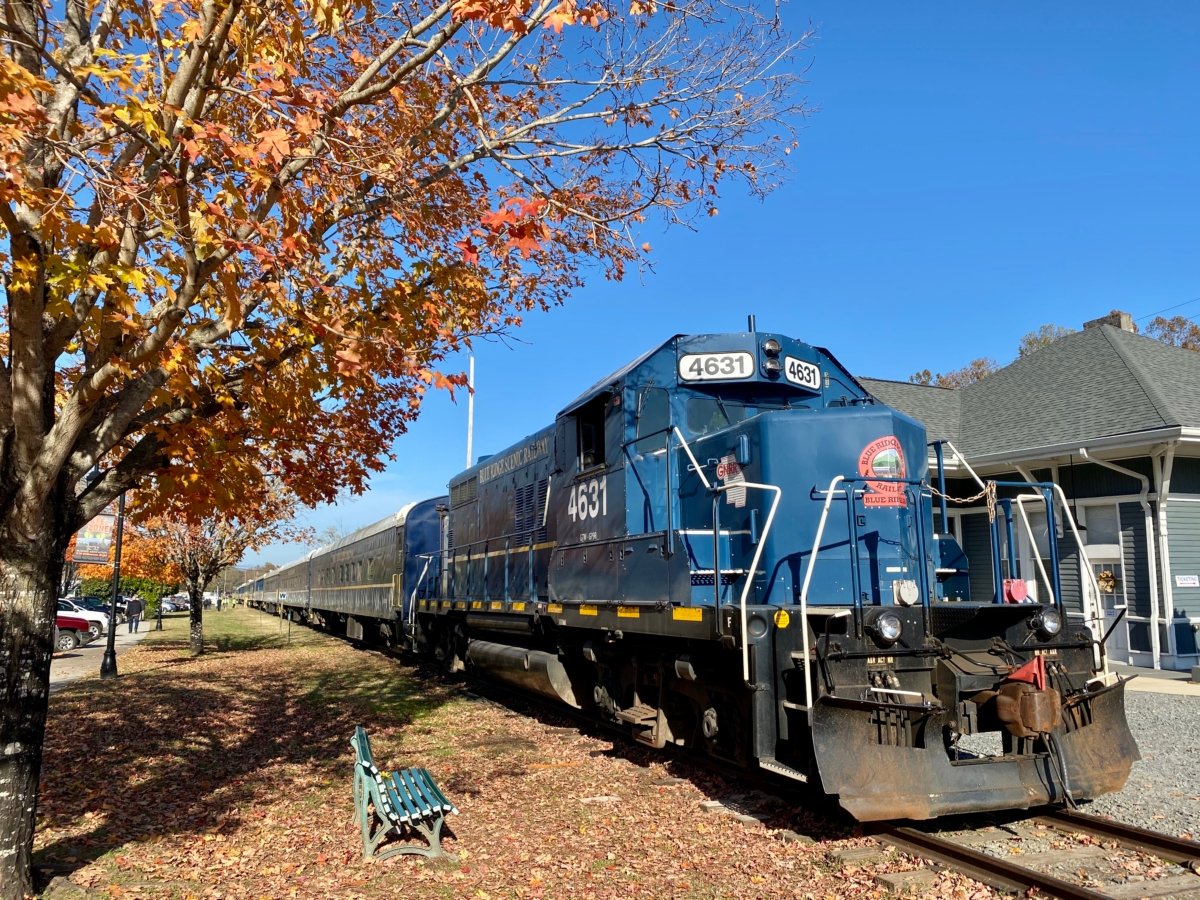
[[1048, 622], [771, 347], [772, 367], [886, 629]]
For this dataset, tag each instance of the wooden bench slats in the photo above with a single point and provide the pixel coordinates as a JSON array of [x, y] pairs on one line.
[[412, 797], [416, 780], [411, 804], [402, 804], [362, 744], [435, 792], [404, 800]]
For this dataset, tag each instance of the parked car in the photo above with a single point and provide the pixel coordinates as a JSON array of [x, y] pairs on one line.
[[97, 621], [98, 604], [70, 632]]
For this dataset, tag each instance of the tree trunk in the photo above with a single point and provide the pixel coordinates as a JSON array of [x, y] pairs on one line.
[[29, 575], [196, 622]]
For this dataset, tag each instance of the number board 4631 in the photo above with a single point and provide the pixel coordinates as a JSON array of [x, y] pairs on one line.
[[802, 373], [716, 366]]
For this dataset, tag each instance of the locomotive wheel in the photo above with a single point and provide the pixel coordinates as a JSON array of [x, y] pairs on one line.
[[723, 729], [449, 650]]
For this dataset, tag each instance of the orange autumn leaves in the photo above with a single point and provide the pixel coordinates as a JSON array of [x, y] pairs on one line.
[[144, 554], [272, 224]]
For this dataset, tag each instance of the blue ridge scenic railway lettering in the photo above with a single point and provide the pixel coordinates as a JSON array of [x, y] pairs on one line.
[[514, 460]]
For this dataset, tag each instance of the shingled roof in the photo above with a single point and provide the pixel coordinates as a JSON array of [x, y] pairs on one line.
[[939, 408], [1100, 382]]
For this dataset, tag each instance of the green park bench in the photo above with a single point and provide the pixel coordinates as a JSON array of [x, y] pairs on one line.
[[398, 804]]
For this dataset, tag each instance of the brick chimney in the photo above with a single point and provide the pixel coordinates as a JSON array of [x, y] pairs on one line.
[[1117, 318]]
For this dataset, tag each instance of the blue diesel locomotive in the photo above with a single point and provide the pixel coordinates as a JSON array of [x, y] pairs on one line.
[[730, 545]]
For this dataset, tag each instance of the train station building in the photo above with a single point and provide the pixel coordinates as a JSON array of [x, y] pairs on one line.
[[1113, 418]]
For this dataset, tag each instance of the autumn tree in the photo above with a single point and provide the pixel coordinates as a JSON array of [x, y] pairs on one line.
[[973, 371], [200, 549], [325, 536], [145, 567], [1047, 334], [145, 554], [1178, 331], [238, 238]]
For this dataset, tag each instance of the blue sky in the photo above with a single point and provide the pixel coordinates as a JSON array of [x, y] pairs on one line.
[[971, 171]]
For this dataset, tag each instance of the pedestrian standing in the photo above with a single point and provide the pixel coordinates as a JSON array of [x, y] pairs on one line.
[[133, 610]]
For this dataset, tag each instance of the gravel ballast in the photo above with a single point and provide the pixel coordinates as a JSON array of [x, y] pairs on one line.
[[1163, 791]]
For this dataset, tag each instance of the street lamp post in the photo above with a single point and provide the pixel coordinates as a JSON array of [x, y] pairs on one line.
[[108, 664]]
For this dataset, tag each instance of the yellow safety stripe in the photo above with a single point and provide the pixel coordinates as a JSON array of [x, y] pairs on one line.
[[452, 555]]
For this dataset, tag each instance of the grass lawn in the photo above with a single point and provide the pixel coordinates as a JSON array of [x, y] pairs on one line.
[[229, 775]]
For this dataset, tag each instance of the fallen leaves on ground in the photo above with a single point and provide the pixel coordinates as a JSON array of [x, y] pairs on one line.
[[228, 776]]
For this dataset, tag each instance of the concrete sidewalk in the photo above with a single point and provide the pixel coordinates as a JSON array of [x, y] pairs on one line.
[[85, 661], [1159, 681]]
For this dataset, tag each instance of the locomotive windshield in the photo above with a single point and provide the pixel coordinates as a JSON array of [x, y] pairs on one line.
[[705, 414]]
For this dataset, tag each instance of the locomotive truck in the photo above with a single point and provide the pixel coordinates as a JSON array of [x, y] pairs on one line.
[[729, 545]]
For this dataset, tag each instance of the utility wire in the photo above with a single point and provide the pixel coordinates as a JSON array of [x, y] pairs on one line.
[[1168, 309]]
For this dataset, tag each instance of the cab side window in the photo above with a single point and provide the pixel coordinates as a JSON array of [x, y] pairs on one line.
[[653, 419], [590, 425]]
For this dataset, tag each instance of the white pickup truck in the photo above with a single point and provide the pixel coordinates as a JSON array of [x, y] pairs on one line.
[[97, 621]]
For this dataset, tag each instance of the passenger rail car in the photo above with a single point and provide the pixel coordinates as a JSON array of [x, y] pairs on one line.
[[363, 585], [730, 545]]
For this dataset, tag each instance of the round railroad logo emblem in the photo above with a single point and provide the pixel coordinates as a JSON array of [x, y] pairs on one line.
[[883, 458]]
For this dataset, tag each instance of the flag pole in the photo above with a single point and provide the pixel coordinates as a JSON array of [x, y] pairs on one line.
[[470, 408]]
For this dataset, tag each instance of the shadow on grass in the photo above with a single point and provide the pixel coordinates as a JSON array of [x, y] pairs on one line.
[[191, 745], [801, 808]]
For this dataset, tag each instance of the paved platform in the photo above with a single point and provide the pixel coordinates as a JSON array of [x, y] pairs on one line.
[[85, 661], [1160, 681]]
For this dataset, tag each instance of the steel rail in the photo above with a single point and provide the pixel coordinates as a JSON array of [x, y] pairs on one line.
[[991, 870], [1163, 846]]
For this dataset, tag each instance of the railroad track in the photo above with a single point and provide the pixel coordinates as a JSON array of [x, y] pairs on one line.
[[1097, 868]]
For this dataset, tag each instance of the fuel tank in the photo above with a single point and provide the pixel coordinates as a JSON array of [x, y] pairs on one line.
[[531, 670]]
